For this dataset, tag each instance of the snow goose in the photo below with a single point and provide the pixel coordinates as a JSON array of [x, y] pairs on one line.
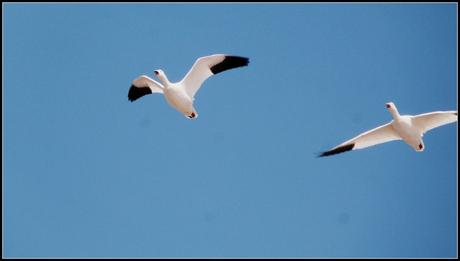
[[181, 95], [403, 127]]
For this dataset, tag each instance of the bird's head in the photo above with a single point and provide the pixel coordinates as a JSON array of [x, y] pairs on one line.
[[158, 73], [390, 106], [162, 76]]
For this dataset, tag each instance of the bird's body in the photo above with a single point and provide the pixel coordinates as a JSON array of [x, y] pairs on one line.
[[181, 95], [408, 132], [178, 98], [408, 128]]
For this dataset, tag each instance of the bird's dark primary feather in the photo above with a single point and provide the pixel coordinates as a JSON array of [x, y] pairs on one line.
[[338, 150], [137, 92], [228, 63]]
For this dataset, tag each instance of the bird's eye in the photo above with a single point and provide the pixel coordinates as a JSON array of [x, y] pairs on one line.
[[388, 106], [156, 72]]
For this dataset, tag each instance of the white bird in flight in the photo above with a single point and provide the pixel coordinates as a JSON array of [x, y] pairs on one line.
[[403, 127], [180, 95]]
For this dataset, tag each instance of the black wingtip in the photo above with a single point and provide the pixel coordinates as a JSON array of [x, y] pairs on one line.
[[338, 150], [229, 62], [137, 92]]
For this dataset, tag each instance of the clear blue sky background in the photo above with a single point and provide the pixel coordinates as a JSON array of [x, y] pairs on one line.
[[87, 173]]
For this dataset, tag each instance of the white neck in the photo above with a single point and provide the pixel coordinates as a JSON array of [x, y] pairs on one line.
[[164, 80], [394, 113]]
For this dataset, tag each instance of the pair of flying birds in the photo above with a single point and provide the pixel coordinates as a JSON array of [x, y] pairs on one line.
[[180, 96]]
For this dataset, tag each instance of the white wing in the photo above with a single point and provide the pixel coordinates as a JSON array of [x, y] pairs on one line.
[[382, 134], [206, 66], [431, 120], [143, 85]]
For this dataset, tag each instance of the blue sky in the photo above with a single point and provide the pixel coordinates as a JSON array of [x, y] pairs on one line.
[[89, 174]]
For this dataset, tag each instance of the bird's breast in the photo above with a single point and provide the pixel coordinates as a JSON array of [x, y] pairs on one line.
[[407, 131], [178, 99]]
